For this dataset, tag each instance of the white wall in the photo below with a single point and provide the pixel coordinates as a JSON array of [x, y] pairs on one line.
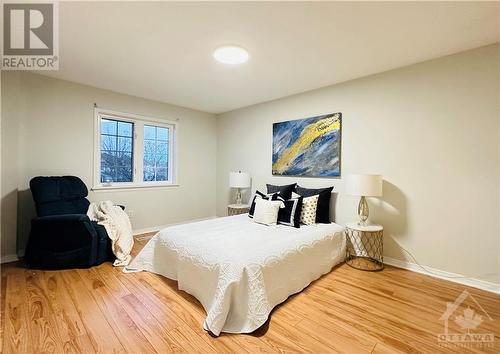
[[12, 110], [47, 129], [432, 131]]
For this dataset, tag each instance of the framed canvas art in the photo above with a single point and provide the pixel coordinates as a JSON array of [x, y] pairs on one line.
[[308, 147]]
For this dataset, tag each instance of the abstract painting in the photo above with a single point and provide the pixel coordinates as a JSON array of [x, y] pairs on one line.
[[308, 147]]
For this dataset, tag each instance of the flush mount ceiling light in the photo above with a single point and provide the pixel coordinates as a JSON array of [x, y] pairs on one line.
[[231, 55]]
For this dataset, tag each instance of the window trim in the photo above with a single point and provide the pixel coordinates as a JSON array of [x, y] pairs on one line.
[[138, 150]]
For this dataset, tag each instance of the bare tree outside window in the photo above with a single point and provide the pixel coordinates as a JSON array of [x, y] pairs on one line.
[[155, 153], [116, 151]]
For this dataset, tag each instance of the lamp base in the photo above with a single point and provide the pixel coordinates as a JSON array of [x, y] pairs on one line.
[[238, 197], [363, 211]]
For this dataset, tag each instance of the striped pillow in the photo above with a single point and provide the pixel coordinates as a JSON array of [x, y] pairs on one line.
[[272, 196], [290, 214]]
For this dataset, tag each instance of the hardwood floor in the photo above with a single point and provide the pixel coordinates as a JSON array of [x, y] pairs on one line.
[[103, 310]]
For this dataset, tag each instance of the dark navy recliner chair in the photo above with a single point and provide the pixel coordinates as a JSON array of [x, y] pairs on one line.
[[62, 236]]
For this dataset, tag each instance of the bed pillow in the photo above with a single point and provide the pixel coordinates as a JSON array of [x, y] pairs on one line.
[[290, 214], [323, 210], [309, 206], [258, 194], [266, 211], [285, 191]]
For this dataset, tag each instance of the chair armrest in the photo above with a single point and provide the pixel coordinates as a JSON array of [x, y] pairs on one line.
[[66, 218], [62, 232]]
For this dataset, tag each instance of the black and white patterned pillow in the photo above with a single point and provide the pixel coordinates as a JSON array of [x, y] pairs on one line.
[[258, 194], [290, 214], [309, 206]]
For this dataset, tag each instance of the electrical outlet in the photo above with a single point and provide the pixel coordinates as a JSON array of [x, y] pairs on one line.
[[130, 213]]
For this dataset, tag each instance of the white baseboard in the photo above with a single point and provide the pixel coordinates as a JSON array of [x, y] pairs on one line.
[[158, 228], [9, 258], [441, 274]]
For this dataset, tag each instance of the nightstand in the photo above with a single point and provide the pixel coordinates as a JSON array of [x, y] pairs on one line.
[[365, 246], [236, 209]]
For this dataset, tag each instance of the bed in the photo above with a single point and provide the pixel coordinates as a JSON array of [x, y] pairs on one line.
[[240, 270]]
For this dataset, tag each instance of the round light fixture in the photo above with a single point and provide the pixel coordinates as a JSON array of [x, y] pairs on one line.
[[231, 55]]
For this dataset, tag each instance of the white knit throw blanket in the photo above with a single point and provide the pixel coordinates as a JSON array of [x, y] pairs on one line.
[[118, 227]]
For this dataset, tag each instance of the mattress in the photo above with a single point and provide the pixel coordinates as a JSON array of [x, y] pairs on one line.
[[240, 270]]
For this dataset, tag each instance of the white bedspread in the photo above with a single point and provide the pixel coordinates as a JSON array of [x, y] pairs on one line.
[[240, 270]]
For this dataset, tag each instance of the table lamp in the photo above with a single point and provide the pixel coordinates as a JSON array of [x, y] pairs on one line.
[[363, 186], [239, 180]]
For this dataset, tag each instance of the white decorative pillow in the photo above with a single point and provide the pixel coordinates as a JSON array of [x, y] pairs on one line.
[[266, 211], [309, 206]]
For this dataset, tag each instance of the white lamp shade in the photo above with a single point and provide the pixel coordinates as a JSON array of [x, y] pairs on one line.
[[364, 185], [239, 180]]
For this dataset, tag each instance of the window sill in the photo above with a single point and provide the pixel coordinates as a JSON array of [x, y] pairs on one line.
[[134, 187]]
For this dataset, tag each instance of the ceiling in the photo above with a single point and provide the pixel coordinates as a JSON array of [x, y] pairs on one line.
[[163, 50]]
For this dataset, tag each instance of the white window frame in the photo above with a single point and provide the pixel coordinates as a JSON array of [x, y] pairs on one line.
[[138, 150]]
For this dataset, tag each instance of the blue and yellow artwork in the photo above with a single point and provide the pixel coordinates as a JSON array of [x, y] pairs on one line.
[[308, 147]]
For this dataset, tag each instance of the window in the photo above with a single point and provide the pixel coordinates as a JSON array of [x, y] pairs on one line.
[[133, 151], [116, 151], [155, 153]]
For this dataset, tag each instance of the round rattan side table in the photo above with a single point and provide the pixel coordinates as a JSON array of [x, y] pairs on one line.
[[236, 209], [365, 246]]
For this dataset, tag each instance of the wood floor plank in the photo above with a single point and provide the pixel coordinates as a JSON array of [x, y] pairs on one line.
[[335, 314], [126, 330], [47, 335], [302, 339], [382, 348], [284, 342], [382, 320], [3, 286], [67, 317], [17, 337], [102, 336], [338, 340], [280, 314], [346, 311]]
